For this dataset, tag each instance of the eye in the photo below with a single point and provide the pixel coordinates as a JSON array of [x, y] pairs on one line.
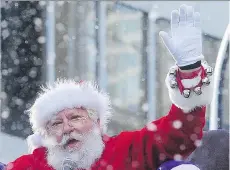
[[56, 123], [75, 117]]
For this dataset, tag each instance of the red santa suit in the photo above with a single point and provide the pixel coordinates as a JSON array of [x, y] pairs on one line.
[[173, 136]]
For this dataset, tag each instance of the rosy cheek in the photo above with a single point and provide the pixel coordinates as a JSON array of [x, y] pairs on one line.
[[88, 127], [59, 138]]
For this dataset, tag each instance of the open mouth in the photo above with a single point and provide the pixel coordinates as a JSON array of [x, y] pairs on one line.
[[71, 143]]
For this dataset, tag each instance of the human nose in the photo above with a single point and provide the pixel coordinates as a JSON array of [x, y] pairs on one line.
[[66, 127]]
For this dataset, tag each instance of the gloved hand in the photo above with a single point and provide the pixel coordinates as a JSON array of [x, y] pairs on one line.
[[185, 43]]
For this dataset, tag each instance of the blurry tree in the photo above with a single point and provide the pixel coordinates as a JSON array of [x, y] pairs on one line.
[[21, 37]]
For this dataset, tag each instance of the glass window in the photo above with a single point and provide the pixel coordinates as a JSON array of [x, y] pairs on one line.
[[124, 59], [75, 36]]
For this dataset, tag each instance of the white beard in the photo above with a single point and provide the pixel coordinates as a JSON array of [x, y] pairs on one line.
[[83, 158]]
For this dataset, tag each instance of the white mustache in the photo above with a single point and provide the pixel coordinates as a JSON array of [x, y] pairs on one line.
[[67, 137]]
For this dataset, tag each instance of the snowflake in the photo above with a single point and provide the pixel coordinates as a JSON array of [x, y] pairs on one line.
[[33, 73], [42, 3], [135, 164], [60, 27], [198, 143], [190, 117], [5, 34], [5, 114], [177, 124], [60, 3], [38, 21], [151, 127], [177, 157], [162, 156], [103, 162], [145, 107], [197, 129], [193, 137], [41, 39], [182, 147], [4, 24], [109, 167], [19, 102]]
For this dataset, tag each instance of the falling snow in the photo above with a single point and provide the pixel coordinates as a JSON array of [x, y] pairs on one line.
[[151, 127], [177, 157], [23, 58], [177, 124]]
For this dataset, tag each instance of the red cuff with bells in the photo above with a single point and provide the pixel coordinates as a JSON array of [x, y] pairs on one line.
[[181, 75]]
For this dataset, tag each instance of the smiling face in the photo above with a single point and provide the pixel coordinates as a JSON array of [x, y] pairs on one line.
[[73, 123], [74, 134]]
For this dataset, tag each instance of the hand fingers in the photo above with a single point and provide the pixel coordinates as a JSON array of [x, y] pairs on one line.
[[174, 19], [197, 20], [183, 13], [167, 40], [190, 16]]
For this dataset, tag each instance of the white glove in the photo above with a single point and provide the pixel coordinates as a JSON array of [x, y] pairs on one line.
[[185, 45]]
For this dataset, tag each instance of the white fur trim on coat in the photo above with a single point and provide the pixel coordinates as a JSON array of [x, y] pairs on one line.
[[65, 94], [188, 104], [34, 141], [186, 167]]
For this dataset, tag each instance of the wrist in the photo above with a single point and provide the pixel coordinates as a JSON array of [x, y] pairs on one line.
[[189, 74], [191, 66]]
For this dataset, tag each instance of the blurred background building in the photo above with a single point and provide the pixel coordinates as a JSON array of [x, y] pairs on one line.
[[113, 43]]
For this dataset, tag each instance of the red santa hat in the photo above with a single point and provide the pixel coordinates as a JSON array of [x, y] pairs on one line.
[[65, 94]]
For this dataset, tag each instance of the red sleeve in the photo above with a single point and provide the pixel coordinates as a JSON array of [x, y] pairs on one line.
[[177, 134], [174, 136], [34, 161], [22, 163]]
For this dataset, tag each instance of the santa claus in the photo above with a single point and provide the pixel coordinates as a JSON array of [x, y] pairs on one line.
[[70, 118]]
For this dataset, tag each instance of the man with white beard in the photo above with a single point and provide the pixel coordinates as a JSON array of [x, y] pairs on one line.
[[69, 118], [79, 147]]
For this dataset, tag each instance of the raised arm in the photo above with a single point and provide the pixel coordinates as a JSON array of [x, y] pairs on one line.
[[177, 134], [189, 83]]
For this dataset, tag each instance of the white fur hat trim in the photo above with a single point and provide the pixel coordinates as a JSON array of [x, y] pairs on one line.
[[34, 141], [65, 94]]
